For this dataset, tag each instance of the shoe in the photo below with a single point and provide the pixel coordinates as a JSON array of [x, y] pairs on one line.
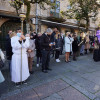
[[66, 61], [37, 65], [44, 71], [81, 54], [57, 60], [49, 69], [31, 72], [24, 82], [69, 61], [74, 60], [18, 84]]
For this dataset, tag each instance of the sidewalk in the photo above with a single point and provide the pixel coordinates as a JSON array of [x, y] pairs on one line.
[[78, 80]]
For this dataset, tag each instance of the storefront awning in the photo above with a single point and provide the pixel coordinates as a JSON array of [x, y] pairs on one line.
[[65, 25]]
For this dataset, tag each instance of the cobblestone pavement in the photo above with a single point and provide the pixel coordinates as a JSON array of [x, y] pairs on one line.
[[78, 80]]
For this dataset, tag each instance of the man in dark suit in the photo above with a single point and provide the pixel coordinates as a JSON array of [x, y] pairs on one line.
[[46, 47]]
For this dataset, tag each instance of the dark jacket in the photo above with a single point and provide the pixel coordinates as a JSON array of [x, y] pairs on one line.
[[53, 37], [8, 48], [45, 41], [38, 46], [75, 45], [58, 43]]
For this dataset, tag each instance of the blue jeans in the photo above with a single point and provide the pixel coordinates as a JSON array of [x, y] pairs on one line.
[[82, 49]]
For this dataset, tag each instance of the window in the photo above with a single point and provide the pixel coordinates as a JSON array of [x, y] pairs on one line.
[[57, 6]]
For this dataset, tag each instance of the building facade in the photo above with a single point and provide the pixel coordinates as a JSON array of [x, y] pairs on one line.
[[45, 18]]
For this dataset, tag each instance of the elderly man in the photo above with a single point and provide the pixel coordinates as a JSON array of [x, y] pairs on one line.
[[46, 46]]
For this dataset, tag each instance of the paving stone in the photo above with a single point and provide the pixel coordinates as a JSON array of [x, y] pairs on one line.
[[84, 91], [97, 99], [27, 95], [88, 85], [72, 94], [50, 88], [53, 97], [14, 92], [68, 81]]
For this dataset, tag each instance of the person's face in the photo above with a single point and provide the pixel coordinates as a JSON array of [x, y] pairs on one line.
[[10, 32], [39, 34], [57, 32], [49, 33], [55, 29]]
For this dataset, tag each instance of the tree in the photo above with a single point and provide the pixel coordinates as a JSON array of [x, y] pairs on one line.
[[82, 10], [17, 5]]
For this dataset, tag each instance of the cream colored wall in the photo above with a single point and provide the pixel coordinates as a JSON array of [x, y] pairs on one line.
[[43, 28], [4, 5], [63, 29]]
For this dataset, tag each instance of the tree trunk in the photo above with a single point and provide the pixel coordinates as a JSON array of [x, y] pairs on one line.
[[87, 24]]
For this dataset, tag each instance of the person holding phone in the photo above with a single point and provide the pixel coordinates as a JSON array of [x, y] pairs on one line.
[[46, 47]]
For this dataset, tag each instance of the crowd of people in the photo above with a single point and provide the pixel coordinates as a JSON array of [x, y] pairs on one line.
[[20, 50]]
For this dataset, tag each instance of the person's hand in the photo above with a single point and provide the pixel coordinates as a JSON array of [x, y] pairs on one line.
[[54, 43], [29, 51], [50, 44], [23, 37], [20, 39]]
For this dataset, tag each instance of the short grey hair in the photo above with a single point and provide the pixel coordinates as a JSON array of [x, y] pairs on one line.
[[49, 30]]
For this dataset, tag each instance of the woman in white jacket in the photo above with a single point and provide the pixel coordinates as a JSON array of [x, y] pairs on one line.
[[3, 58], [68, 47]]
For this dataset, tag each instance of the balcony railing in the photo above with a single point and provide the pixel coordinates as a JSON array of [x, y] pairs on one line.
[[54, 14]]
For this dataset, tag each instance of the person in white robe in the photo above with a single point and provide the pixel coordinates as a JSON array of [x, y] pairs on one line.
[[20, 70], [2, 79], [68, 47]]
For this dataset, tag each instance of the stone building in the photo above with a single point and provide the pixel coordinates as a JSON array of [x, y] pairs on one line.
[[46, 18]]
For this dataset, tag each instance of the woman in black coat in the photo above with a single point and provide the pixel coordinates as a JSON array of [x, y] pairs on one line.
[[38, 48], [96, 52], [58, 45], [75, 47]]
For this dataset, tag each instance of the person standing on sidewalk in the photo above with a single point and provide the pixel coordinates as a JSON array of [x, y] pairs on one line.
[[9, 48], [75, 47], [19, 68], [30, 53], [2, 79], [87, 45], [46, 47], [68, 44], [38, 49], [58, 44]]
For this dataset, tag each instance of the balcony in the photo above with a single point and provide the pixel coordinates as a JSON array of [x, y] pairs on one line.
[[54, 14], [56, 17]]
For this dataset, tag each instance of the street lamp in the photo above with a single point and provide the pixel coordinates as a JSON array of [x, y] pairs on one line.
[[22, 17]]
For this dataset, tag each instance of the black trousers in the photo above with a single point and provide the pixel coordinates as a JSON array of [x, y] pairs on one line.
[[45, 59], [74, 55], [57, 53]]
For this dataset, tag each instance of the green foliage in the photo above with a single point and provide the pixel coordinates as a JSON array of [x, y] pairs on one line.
[[82, 10], [17, 5]]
